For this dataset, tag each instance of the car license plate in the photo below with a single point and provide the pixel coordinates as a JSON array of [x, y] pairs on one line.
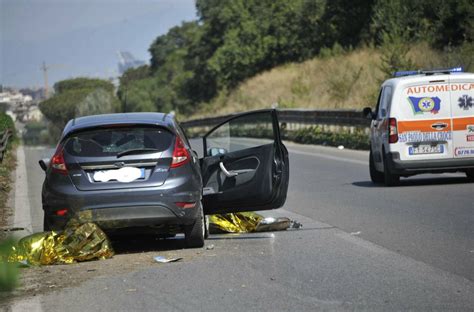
[[126, 174], [426, 149]]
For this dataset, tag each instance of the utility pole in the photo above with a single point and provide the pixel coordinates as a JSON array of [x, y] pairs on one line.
[[45, 68]]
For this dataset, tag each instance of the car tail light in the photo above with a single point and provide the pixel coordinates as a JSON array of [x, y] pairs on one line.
[[392, 131], [186, 205], [180, 153], [57, 161], [61, 212]]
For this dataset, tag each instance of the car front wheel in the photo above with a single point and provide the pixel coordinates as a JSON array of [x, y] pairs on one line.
[[194, 233]]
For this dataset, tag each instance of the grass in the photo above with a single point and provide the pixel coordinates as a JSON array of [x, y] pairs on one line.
[[338, 80]]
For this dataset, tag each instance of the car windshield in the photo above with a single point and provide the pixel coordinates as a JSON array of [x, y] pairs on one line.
[[113, 141]]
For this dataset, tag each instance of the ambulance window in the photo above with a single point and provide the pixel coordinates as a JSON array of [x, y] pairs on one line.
[[378, 103], [384, 103]]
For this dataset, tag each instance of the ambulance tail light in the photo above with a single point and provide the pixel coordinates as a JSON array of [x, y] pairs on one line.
[[392, 130]]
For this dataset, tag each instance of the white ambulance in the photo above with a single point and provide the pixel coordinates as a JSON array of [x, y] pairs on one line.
[[423, 123]]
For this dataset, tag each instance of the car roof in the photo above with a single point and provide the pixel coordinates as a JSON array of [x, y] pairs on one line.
[[155, 119]]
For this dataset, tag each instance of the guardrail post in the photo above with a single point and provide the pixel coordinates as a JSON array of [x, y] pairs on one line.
[[4, 136]]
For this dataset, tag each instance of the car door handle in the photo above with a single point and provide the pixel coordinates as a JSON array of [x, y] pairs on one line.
[[227, 173]]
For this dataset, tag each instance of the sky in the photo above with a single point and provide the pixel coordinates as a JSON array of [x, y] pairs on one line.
[[79, 37]]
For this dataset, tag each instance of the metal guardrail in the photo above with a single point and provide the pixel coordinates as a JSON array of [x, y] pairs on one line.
[[350, 118], [4, 137]]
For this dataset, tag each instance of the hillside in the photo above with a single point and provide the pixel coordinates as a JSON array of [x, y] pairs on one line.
[[333, 80]]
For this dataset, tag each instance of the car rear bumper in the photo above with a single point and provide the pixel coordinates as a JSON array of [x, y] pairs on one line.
[[129, 216], [398, 166], [114, 209]]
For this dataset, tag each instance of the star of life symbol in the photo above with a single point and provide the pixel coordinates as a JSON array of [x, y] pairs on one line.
[[465, 102], [426, 104]]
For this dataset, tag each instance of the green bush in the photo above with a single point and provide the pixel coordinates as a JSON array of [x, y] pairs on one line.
[[8, 271], [316, 135], [38, 133], [6, 122]]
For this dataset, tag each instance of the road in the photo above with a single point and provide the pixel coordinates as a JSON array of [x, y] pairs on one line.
[[362, 247]]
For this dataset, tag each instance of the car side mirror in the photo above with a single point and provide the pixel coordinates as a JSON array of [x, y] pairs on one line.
[[214, 151], [44, 164], [368, 113]]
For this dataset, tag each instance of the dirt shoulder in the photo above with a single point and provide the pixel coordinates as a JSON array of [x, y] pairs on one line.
[[7, 169], [131, 255]]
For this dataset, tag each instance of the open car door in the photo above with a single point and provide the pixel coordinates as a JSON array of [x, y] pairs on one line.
[[245, 165]]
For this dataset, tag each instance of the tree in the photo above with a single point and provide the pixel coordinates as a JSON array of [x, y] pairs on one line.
[[79, 97]]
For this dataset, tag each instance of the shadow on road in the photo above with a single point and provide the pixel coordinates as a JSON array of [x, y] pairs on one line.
[[243, 236], [145, 243], [416, 182]]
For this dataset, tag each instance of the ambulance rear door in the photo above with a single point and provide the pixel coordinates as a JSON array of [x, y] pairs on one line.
[[462, 99], [424, 119]]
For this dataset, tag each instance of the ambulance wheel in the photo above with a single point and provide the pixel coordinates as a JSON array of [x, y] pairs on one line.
[[376, 176], [470, 175], [389, 178]]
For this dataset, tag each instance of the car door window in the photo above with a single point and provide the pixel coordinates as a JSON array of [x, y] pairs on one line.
[[245, 165], [241, 133], [384, 102]]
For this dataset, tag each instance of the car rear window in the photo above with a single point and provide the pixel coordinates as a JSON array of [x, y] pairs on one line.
[[111, 141]]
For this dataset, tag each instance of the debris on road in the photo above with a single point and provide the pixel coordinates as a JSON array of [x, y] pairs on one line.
[[210, 247], [78, 242], [355, 233], [161, 259], [341, 147], [246, 222]]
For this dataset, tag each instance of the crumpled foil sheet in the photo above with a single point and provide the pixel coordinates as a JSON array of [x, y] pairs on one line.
[[78, 242], [247, 222]]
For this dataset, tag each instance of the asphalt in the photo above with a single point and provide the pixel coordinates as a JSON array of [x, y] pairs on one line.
[[362, 247]]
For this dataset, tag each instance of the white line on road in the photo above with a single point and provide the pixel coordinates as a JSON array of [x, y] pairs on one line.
[[22, 219], [22, 216], [319, 155]]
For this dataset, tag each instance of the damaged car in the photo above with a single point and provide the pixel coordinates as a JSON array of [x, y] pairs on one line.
[[138, 172]]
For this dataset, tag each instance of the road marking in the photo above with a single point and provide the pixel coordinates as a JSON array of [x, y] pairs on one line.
[[319, 155], [22, 219], [22, 216]]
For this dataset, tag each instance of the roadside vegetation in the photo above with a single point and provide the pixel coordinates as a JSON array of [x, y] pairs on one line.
[[358, 139], [241, 55], [6, 167], [244, 55], [8, 272], [74, 98], [337, 79]]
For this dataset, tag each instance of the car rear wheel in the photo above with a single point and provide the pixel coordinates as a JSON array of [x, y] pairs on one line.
[[470, 175], [390, 179], [46, 225], [375, 176], [194, 233], [206, 227]]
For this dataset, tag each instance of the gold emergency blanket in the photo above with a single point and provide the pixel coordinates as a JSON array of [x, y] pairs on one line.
[[246, 222], [78, 242]]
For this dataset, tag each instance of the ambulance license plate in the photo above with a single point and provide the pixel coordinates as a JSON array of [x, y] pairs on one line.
[[426, 149]]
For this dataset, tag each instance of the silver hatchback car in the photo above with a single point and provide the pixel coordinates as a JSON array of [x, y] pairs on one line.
[[137, 171]]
